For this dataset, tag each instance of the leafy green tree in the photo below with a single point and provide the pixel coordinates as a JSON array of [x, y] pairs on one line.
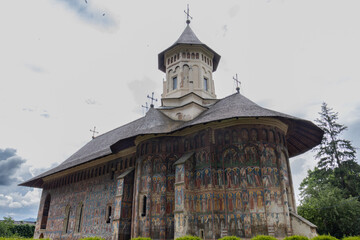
[[24, 230], [329, 193], [337, 156], [332, 213], [6, 227]]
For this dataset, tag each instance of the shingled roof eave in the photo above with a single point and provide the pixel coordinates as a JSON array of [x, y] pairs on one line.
[[287, 119]]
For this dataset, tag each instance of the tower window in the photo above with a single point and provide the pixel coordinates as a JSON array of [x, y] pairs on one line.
[[205, 84], [174, 83], [197, 55]]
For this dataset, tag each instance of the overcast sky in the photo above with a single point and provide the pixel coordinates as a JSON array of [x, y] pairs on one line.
[[69, 65]]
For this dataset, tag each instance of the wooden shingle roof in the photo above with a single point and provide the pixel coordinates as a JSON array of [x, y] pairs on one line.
[[302, 134]]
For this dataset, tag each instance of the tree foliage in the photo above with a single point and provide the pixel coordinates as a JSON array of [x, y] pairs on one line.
[[337, 156], [9, 229], [330, 192]]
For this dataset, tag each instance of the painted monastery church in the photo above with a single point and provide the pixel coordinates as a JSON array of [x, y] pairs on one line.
[[196, 165]]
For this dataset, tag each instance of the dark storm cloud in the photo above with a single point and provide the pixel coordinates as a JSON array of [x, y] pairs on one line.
[[84, 10], [9, 164]]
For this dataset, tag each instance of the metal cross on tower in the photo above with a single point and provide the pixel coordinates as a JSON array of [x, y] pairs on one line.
[[188, 17], [237, 83], [94, 132], [146, 107], [152, 99]]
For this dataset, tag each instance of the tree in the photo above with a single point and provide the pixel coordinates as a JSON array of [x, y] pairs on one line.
[[6, 227], [332, 213], [336, 155], [330, 192]]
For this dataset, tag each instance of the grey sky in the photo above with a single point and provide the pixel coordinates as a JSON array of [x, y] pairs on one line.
[[65, 67]]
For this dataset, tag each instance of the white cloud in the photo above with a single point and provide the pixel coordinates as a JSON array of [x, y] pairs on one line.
[[18, 200]]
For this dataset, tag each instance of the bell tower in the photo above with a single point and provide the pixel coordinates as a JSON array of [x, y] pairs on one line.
[[189, 65]]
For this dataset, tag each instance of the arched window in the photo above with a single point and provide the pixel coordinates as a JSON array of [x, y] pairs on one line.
[[67, 219], [143, 212], [45, 212], [192, 55], [79, 217], [197, 55]]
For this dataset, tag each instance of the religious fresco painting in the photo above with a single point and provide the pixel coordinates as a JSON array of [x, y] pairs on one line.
[[196, 165]]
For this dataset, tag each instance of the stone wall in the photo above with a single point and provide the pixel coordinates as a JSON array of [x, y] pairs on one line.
[[213, 182], [80, 202]]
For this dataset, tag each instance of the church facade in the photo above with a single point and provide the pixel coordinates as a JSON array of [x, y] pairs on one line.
[[196, 165]]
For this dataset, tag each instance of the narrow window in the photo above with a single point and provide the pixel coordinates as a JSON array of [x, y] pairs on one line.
[[108, 214], [205, 84], [79, 217], [192, 55], [174, 83], [45, 212], [175, 58], [143, 213], [67, 219], [197, 55], [188, 55]]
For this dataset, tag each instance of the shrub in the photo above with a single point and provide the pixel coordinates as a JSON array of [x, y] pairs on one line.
[[229, 238], [352, 238], [92, 238], [141, 238], [189, 237], [297, 237], [263, 237], [324, 237]]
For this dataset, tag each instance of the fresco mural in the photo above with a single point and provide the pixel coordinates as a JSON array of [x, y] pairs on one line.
[[235, 180]]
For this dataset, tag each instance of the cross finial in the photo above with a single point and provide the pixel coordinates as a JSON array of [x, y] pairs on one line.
[[94, 132], [152, 99], [146, 107], [237, 83], [188, 17]]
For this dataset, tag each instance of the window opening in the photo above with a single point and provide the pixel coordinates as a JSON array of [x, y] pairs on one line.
[[143, 213], [174, 83], [205, 84], [108, 219], [45, 212], [79, 217], [67, 219]]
